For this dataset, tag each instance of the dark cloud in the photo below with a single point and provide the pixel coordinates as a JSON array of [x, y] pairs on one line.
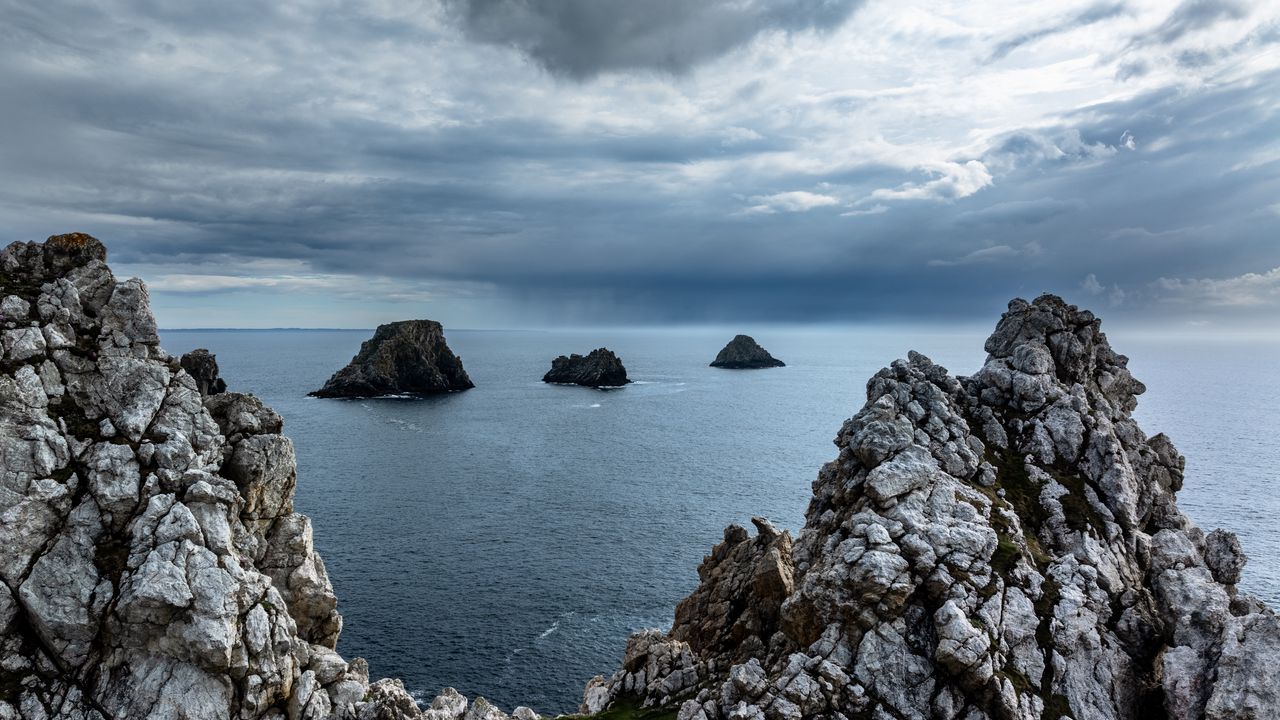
[[394, 151], [1089, 16], [582, 38]]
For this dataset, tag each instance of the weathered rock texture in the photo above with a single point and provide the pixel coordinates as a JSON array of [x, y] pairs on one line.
[[409, 357], [744, 353], [202, 366], [152, 564], [1000, 546], [599, 368]]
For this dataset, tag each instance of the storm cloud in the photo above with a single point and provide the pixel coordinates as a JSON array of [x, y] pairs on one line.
[[502, 163], [582, 38]]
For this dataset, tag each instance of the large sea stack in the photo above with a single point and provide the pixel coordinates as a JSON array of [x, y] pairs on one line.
[[599, 368], [1002, 546], [409, 357], [744, 353]]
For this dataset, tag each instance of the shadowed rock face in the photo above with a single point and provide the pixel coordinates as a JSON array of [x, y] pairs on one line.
[[1006, 545], [744, 353], [409, 357], [600, 368], [202, 366]]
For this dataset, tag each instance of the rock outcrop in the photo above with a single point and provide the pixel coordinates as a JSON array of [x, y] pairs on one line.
[[1002, 546], [744, 353], [409, 357], [202, 366], [599, 368], [152, 563]]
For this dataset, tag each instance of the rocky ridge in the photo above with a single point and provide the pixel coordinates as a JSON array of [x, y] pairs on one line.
[[600, 368], [152, 563], [409, 357], [744, 353], [1002, 546]]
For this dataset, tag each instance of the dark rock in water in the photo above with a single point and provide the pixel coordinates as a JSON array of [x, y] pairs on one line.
[[202, 366], [744, 353], [601, 368], [409, 357]]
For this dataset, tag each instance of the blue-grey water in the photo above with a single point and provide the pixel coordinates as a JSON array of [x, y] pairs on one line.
[[507, 539]]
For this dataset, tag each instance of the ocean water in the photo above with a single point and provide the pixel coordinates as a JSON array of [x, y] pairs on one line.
[[507, 540]]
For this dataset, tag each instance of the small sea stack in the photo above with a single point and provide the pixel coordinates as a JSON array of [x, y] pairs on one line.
[[599, 368], [409, 357], [744, 353]]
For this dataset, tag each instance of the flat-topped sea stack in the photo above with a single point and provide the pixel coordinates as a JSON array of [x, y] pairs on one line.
[[599, 368], [744, 353], [409, 357]]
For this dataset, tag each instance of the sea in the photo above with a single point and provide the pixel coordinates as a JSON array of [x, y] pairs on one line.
[[506, 540]]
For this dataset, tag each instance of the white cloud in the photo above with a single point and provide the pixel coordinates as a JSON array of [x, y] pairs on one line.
[[1091, 285], [793, 201], [953, 181], [1250, 290]]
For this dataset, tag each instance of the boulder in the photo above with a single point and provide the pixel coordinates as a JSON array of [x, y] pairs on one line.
[[744, 353], [202, 366], [409, 357]]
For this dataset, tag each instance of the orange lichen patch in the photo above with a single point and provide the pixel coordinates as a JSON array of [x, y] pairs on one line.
[[79, 244], [71, 241]]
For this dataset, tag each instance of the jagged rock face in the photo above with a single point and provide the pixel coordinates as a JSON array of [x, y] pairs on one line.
[[600, 368], [744, 353], [1001, 546], [202, 366], [409, 357], [152, 563]]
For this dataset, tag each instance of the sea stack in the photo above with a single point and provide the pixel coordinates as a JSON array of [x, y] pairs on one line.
[[744, 353], [599, 368], [999, 546], [409, 357]]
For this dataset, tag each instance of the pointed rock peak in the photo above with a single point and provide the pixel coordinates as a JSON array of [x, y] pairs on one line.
[[744, 353], [1054, 342], [409, 357], [600, 368]]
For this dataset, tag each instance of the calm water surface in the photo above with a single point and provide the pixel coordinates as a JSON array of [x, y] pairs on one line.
[[507, 539]]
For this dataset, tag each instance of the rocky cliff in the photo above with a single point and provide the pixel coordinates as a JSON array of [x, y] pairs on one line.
[[599, 368], [1001, 546], [409, 357], [744, 353], [152, 564]]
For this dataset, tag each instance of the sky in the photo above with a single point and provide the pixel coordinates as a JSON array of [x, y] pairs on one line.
[[530, 163]]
